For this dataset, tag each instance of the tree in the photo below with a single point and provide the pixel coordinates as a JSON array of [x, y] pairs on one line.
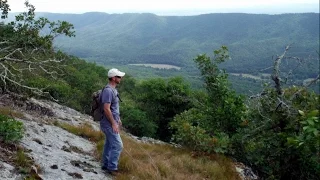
[[4, 6], [217, 115], [162, 100], [281, 136], [224, 107], [25, 52]]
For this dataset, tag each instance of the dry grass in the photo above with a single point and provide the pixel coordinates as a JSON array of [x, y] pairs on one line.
[[18, 157], [14, 154], [84, 130], [8, 111], [22, 160], [148, 161]]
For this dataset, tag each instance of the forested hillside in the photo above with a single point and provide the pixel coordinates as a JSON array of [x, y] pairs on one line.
[[276, 131], [146, 38]]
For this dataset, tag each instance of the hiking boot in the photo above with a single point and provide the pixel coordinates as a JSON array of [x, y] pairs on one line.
[[104, 168], [113, 172]]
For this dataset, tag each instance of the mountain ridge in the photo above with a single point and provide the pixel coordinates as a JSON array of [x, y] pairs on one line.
[[147, 38]]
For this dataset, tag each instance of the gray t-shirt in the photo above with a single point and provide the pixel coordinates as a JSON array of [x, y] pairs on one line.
[[110, 96]]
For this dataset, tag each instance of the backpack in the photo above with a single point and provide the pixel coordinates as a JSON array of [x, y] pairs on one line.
[[96, 107], [96, 111]]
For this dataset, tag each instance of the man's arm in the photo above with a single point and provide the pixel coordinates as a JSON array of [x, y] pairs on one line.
[[107, 111]]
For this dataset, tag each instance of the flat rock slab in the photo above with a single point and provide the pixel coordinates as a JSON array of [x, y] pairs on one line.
[[7, 172], [60, 154]]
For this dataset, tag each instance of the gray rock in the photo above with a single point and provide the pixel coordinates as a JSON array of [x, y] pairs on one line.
[[245, 172], [46, 143], [7, 172]]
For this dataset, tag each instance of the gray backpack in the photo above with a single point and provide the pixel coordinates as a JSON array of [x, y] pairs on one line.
[[96, 106], [96, 109]]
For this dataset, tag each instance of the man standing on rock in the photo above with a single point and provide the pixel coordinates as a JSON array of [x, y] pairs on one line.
[[110, 123]]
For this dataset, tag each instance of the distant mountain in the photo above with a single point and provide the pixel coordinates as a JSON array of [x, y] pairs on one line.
[[253, 39]]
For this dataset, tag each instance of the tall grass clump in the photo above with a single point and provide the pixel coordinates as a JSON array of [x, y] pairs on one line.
[[84, 130], [8, 111]]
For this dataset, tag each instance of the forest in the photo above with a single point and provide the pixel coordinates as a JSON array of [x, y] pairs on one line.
[[275, 131], [253, 40], [147, 38]]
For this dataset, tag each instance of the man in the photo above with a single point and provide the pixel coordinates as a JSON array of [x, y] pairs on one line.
[[110, 123]]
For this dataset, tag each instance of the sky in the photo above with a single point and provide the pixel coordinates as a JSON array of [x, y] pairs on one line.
[[170, 7]]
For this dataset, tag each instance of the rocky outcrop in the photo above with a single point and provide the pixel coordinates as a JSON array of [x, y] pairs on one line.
[[7, 172], [245, 172], [57, 153], [60, 154]]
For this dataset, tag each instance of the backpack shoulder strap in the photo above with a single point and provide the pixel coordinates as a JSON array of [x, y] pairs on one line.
[[114, 94], [100, 96]]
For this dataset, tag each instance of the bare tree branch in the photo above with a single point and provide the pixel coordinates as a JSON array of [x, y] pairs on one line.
[[276, 71], [266, 68], [315, 80], [15, 61]]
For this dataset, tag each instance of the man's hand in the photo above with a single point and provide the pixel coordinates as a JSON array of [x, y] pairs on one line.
[[115, 128], [114, 124], [120, 123]]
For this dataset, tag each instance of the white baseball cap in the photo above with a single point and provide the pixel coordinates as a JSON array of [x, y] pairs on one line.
[[115, 72]]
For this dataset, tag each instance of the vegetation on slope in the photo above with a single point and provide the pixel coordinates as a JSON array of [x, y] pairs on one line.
[[154, 161], [11, 132], [282, 120]]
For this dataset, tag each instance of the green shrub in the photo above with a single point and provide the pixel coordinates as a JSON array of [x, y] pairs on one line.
[[10, 129], [137, 123], [192, 133], [161, 100], [216, 116], [225, 109], [281, 141]]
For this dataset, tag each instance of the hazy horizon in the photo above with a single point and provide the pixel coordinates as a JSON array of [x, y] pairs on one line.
[[172, 7]]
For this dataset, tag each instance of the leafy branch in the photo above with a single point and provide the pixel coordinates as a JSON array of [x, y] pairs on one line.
[[4, 7], [25, 52]]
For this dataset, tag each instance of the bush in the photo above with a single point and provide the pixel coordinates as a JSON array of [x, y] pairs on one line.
[[192, 133], [224, 107], [217, 115], [161, 100], [137, 123], [10, 129], [281, 141]]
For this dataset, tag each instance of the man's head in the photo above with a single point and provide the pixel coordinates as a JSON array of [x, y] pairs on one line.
[[115, 75]]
